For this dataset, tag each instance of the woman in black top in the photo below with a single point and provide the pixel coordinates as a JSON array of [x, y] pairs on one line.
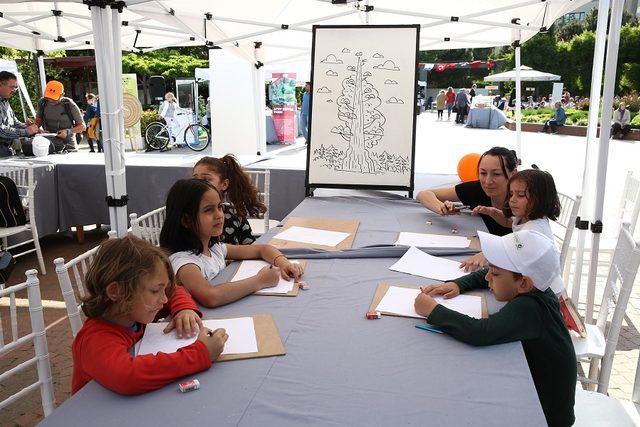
[[494, 169]]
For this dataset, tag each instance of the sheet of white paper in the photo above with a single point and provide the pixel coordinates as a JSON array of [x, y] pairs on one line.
[[424, 240], [242, 337], [400, 301], [312, 235], [249, 268], [418, 263]]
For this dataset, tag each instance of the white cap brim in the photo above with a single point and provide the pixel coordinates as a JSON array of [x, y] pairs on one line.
[[493, 249]]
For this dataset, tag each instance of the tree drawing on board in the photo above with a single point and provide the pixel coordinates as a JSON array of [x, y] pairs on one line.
[[361, 122], [362, 128]]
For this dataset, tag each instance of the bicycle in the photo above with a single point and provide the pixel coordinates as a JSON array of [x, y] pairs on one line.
[[158, 135]]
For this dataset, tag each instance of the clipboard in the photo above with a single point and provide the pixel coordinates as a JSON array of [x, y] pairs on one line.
[[292, 293], [329, 224], [267, 337], [382, 288]]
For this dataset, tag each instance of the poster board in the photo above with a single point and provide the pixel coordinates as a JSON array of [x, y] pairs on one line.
[[363, 107], [130, 86]]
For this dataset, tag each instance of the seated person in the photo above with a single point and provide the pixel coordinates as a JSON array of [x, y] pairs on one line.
[[129, 285], [11, 129], [558, 119], [60, 115], [523, 268], [621, 121]]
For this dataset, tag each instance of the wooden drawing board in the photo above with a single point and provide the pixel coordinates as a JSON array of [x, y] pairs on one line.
[[382, 288], [267, 337], [330, 224]]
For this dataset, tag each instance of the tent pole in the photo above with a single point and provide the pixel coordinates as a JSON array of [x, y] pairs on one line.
[[41, 72], [591, 151], [603, 151], [516, 43], [24, 111], [108, 70], [211, 83]]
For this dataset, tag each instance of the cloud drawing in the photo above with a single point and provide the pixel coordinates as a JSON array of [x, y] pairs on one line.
[[331, 73], [323, 89], [387, 65], [377, 55], [390, 82], [329, 100], [394, 100], [331, 59], [345, 50]]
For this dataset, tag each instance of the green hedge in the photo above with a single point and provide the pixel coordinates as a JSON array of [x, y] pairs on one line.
[[149, 116]]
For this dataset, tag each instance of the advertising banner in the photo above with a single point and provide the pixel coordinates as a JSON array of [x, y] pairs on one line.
[[283, 104]]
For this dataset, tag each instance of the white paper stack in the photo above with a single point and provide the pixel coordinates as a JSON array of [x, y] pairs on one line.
[[418, 263], [312, 236], [400, 301], [249, 268], [241, 331], [425, 240]]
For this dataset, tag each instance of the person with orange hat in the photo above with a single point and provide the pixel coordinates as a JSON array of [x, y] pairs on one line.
[[60, 115]]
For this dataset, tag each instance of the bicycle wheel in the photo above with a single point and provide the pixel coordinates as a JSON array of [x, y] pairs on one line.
[[157, 136], [196, 137]]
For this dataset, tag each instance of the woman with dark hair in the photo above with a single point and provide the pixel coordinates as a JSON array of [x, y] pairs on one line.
[[191, 233], [494, 169]]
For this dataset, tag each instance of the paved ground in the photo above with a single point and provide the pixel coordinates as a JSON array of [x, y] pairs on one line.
[[439, 146]]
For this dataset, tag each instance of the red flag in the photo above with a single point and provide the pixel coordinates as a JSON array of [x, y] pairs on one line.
[[439, 67]]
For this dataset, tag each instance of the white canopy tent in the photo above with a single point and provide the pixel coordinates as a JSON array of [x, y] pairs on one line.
[[518, 75], [276, 32], [527, 74], [12, 67]]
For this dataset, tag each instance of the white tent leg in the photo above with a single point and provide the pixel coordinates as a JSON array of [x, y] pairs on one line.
[[603, 152], [518, 98], [591, 152], [42, 73], [106, 25]]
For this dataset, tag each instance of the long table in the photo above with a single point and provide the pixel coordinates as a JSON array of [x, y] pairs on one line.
[[340, 369]]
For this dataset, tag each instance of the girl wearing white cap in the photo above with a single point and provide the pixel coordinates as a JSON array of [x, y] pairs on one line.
[[524, 268]]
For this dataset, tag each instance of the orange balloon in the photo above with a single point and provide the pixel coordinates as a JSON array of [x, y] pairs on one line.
[[468, 167]]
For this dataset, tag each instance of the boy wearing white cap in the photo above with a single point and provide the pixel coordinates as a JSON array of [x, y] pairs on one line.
[[523, 266]]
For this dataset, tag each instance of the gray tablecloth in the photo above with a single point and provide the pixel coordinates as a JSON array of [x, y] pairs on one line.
[[487, 118], [340, 369]]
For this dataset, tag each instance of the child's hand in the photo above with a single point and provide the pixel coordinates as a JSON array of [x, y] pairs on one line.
[[447, 290], [186, 323], [268, 277], [291, 270], [214, 341], [494, 213], [476, 262], [424, 304]]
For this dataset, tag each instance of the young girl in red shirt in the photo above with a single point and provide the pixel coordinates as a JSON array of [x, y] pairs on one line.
[[130, 284]]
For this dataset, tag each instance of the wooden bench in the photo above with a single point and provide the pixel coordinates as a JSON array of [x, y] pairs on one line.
[[633, 135]]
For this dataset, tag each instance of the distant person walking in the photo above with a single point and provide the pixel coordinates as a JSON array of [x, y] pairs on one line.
[[473, 92], [304, 113], [462, 102], [621, 121], [441, 102], [451, 100], [558, 119]]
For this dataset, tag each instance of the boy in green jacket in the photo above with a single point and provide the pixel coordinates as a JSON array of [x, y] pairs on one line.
[[522, 267]]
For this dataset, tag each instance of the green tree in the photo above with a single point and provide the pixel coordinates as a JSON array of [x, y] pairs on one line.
[[169, 63]]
